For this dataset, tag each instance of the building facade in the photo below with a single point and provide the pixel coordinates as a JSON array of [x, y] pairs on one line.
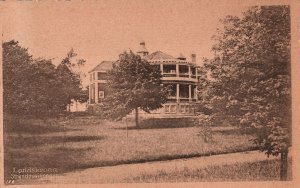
[[178, 73]]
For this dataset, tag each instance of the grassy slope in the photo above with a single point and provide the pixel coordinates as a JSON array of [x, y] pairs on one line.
[[82, 142]]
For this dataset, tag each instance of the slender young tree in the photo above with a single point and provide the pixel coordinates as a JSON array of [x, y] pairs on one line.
[[249, 77], [134, 84]]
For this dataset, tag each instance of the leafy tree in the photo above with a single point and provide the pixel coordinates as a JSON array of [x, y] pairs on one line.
[[69, 80], [43, 88], [134, 84], [16, 68], [36, 86], [248, 80]]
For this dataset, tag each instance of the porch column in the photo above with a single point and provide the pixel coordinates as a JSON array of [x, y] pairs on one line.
[[189, 71], [190, 92], [196, 93], [177, 93], [177, 70], [90, 95], [161, 68], [96, 92]]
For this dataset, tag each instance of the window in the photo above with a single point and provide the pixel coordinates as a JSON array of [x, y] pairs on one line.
[[102, 76], [193, 71], [193, 91], [172, 91], [183, 69], [184, 91], [169, 69], [101, 94]]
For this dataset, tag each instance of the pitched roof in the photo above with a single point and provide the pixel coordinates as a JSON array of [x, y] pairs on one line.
[[159, 55], [181, 56], [103, 66]]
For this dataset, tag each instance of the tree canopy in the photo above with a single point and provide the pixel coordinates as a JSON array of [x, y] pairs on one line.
[[134, 83], [248, 80], [37, 86]]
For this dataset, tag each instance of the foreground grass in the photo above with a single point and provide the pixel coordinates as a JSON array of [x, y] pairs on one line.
[[70, 144], [255, 171]]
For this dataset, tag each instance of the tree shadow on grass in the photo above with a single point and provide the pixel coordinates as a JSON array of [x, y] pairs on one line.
[[33, 128], [34, 141], [64, 159], [162, 123]]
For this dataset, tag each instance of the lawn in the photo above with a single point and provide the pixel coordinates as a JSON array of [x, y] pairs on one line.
[[267, 170], [76, 143]]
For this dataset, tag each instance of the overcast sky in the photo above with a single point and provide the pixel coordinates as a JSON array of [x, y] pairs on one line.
[[101, 30]]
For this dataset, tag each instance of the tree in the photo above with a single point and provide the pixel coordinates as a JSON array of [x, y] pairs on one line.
[[69, 80], [249, 77], [43, 88], [134, 84], [16, 68], [35, 86]]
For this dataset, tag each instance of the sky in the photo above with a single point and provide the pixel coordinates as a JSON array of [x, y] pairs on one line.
[[101, 30]]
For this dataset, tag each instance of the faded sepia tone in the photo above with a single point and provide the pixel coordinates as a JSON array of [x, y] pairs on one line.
[[176, 93]]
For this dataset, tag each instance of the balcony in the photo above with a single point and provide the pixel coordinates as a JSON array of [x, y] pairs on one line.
[[174, 77], [169, 74], [185, 75], [178, 72]]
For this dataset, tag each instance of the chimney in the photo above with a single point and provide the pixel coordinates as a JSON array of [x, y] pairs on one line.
[[142, 43], [193, 58], [142, 51]]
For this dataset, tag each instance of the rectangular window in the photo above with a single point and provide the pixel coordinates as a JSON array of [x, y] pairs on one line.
[[169, 69], [184, 91], [183, 69], [101, 94], [172, 91], [193, 91], [102, 76], [193, 71]]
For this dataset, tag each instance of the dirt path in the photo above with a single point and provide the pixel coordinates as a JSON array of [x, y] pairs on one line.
[[121, 172]]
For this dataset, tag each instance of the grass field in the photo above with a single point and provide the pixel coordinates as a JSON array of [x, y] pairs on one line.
[[267, 170], [76, 143]]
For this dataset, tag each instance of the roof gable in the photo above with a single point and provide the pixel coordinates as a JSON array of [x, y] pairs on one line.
[[159, 55], [103, 66]]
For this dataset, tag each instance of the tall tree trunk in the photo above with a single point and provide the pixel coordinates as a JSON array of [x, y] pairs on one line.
[[283, 165], [137, 117]]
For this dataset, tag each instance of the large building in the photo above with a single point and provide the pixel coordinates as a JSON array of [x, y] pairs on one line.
[[179, 73]]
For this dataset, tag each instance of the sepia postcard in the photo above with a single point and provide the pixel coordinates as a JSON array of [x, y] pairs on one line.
[[157, 93]]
